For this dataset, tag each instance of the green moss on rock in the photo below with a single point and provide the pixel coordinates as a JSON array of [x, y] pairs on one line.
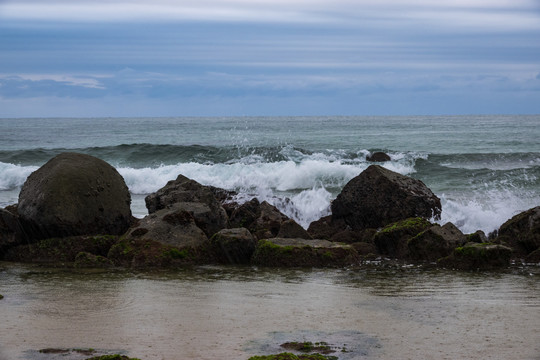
[[291, 356], [473, 256], [279, 252], [392, 239], [112, 357], [61, 250]]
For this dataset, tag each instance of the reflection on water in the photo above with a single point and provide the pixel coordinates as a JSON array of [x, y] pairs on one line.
[[236, 312]]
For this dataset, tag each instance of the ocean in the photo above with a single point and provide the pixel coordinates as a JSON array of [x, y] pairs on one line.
[[485, 168]]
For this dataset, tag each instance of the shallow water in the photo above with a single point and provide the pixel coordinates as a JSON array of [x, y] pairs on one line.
[[236, 312]]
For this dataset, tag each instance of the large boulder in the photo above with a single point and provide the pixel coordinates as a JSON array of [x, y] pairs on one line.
[[379, 196], [280, 252], [74, 194], [436, 242], [522, 232], [197, 199]]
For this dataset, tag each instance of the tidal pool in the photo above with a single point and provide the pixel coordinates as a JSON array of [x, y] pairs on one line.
[[210, 313]]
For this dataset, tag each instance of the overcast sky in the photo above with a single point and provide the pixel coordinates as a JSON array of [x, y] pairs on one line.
[[268, 57]]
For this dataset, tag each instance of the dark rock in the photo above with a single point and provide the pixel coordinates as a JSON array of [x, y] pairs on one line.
[[170, 226], [10, 230], [364, 248], [245, 214], [522, 232], [477, 237], [147, 253], [392, 239], [350, 236], [61, 250], [88, 260], [291, 229], [74, 194], [326, 227], [378, 157], [279, 252], [534, 257], [475, 256], [235, 246], [435, 242], [197, 199], [379, 196], [262, 219]]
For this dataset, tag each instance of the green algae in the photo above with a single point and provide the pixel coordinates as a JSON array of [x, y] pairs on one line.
[[291, 356]]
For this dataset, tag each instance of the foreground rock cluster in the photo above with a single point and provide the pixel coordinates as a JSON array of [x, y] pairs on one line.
[[75, 210]]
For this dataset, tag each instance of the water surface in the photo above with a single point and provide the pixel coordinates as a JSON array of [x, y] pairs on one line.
[[210, 313]]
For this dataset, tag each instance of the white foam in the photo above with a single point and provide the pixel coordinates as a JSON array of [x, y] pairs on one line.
[[13, 176], [485, 211]]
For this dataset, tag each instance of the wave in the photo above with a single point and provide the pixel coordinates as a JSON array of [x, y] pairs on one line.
[[473, 197], [489, 161], [13, 176]]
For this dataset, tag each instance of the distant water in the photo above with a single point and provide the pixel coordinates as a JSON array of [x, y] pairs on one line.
[[485, 169]]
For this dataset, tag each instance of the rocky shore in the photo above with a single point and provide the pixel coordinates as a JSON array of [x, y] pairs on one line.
[[75, 211]]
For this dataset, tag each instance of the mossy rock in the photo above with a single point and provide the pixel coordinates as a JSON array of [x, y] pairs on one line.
[[61, 250], [392, 239], [435, 242], [280, 252], [291, 356], [144, 253], [112, 357], [522, 232], [88, 260], [234, 246], [483, 256]]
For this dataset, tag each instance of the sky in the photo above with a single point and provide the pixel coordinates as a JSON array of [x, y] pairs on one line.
[[99, 58]]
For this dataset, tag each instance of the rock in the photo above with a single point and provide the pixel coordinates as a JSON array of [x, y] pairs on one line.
[[280, 252], [88, 260], [245, 214], [436, 242], [350, 236], [364, 248], [74, 194], [379, 196], [61, 250], [378, 157], [291, 229], [262, 219], [172, 225], [478, 237], [147, 253], [534, 257], [197, 199], [522, 232], [475, 256], [392, 239], [326, 227], [234, 246], [10, 231]]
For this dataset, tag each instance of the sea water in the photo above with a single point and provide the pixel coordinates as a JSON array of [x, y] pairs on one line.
[[485, 169], [232, 313]]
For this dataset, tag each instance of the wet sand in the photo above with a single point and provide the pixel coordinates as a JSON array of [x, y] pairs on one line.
[[213, 313]]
